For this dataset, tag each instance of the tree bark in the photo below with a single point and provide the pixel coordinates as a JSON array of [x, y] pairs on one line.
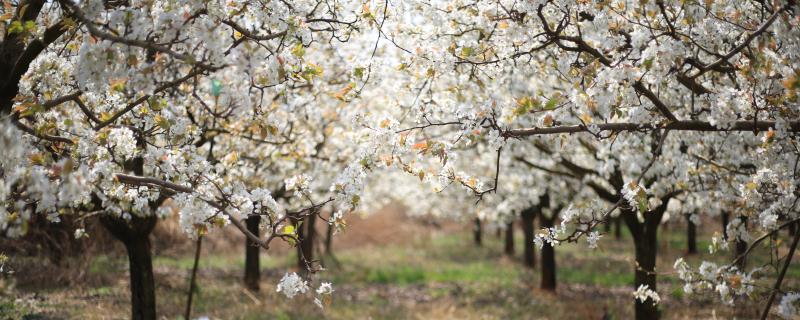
[[193, 280], [725, 217], [477, 232], [509, 247], [529, 257], [548, 281], [645, 237], [134, 234], [305, 249], [691, 236], [740, 248], [646, 249], [617, 228], [252, 267], [329, 240]]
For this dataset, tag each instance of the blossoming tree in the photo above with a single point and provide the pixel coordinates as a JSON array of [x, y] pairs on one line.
[[643, 87], [134, 110]]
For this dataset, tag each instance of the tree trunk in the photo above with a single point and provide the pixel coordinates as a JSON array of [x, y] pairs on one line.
[[252, 268], [548, 259], [509, 248], [529, 257], [691, 236], [305, 249], [725, 217], [741, 247], [187, 314], [134, 234], [329, 240], [477, 232], [645, 238], [618, 227], [646, 249]]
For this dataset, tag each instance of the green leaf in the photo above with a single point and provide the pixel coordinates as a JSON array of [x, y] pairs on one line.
[[641, 197], [358, 72], [216, 87], [647, 64], [162, 122], [525, 105], [30, 26], [467, 51], [311, 71], [298, 50], [552, 103], [15, 27], [642, 205]]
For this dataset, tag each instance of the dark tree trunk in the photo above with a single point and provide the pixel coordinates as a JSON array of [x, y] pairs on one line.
[[252, 267], [607, 225], [509, 248], [305, 249], [477, 232], [725, 217], [187, 314], [617, 228], [548, 259], [646, 248], [645, 237], [691, 236], [529, 257], [329, 240], [134, 234], [741, 247]]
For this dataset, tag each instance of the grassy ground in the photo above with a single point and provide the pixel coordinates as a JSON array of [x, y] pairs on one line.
[[412, 272]]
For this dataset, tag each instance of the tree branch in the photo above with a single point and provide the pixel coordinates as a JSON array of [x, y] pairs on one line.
[[681, 125]]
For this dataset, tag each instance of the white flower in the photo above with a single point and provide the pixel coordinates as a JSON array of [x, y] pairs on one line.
[[325, 288], [769, 220], [724, 292], [291, 285], [122, 142], [644, 292], [298, 183], [717, 243], [708, 270], [694, 219], [337, 216], [324, 291], [538, 241], [787, 309], [80, 233], [687, 288], [636, 195], [592, 239]]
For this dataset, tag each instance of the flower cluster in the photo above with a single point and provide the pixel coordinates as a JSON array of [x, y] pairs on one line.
[[727, 281], [291, 285], [644, 293]]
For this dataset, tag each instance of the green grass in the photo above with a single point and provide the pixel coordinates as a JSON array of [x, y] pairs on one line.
[[606, 278], [444, 276]]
